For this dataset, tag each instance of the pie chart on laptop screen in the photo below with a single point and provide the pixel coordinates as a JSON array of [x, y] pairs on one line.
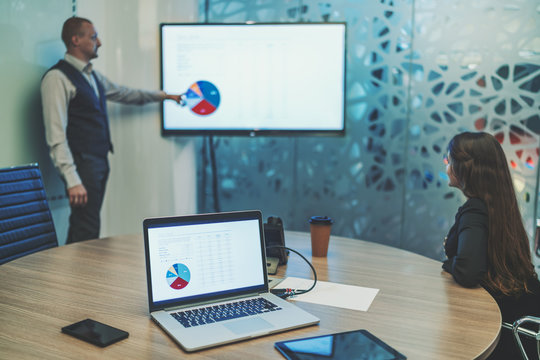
[[178, 276]]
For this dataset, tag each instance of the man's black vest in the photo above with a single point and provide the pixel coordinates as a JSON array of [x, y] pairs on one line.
[[88, 126]]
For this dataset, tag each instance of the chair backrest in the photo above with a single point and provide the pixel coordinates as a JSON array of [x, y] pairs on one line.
[[525, 330], [26, 224]]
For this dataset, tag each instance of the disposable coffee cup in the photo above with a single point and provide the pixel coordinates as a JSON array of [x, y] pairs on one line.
[[320, 227]]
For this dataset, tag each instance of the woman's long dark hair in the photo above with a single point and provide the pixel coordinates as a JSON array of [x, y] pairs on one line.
[[478, 163]]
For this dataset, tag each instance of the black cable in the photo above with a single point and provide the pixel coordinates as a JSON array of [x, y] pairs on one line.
[[285, 293]]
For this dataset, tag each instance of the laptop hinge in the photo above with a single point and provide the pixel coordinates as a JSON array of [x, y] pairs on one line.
[[213, 301]]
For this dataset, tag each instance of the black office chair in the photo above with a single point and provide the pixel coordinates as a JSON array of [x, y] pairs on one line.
[[520, 334], [518, 330], [26, 224]]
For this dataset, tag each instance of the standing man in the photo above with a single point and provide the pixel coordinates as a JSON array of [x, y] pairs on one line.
[[76, 124]]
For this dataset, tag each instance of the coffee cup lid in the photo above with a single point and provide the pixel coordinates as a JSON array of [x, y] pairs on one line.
[[321, 220]]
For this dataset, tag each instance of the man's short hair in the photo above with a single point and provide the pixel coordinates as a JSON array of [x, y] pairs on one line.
[[72, 27]]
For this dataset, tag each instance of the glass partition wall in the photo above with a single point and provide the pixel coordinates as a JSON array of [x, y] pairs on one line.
[[418, 72]]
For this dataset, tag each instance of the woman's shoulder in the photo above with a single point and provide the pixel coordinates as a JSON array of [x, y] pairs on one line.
[[474, 205]]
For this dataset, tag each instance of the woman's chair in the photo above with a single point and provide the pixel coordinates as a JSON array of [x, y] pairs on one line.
[[26, 224], [518, 330]]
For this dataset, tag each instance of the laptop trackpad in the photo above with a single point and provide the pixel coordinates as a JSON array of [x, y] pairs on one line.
[[248, 325]]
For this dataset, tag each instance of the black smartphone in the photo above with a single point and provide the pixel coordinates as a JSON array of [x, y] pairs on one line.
[[351, 345], [95, 332]]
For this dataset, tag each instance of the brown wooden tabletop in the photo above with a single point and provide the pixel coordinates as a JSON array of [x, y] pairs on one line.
[[419, 310]]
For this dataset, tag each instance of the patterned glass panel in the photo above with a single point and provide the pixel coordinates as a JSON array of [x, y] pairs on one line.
[[418, 72], [476, 68]]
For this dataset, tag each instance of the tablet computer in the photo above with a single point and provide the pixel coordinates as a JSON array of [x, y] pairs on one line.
[[356, 344]]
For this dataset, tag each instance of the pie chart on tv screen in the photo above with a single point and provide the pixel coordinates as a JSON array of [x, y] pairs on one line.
[[203, 98], [178, 276]]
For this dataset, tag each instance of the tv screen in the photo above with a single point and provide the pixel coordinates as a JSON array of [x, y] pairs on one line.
[[254, 79]]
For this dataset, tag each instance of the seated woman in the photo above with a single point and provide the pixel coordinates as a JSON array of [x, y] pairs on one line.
[[488, 244]]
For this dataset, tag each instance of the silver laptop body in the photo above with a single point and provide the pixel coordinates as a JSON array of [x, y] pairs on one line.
[[207, 260]]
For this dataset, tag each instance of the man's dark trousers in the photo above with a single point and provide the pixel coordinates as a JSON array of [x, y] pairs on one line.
[[84, 221]]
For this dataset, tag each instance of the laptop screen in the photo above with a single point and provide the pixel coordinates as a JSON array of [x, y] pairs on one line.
[[202, 257]]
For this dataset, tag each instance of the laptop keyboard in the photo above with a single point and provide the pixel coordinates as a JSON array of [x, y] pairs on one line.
[[215, 313]]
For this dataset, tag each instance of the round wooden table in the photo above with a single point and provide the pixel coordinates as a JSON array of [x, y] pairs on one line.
[[419, 310]]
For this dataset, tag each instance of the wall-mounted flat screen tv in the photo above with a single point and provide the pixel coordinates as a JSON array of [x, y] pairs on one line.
[[254, 79]]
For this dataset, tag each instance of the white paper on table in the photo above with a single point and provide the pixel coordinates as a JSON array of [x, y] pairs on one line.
[[331, 294]]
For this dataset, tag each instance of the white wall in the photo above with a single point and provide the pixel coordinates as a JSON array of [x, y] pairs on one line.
[[150, 175], [29, 44]]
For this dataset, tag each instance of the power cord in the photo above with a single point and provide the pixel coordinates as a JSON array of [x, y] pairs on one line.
[[285, 293]]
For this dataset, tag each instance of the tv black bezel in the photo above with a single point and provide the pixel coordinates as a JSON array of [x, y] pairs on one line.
[[255, 132]]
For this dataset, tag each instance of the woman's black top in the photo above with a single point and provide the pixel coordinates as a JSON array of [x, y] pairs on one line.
[[466, 248], [466, 244]]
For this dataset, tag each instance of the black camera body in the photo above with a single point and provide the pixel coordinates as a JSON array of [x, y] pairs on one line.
[[274, 236]]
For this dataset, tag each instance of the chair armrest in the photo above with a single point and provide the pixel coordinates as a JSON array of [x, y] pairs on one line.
[[517, 330], [526, 319]]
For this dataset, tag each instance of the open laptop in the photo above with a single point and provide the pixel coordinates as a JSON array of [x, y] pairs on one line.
[[207, 280]]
